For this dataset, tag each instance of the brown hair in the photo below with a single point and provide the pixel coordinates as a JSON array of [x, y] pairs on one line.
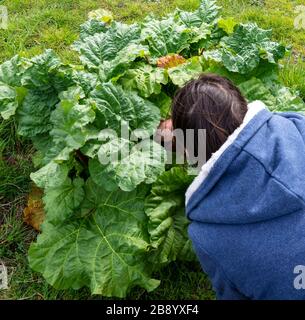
[[210, 102]]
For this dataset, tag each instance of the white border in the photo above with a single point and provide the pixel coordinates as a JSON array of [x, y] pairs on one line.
[[253, 109]]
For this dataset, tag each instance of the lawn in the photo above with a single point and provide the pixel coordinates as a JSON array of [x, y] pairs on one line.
[[35, 25]]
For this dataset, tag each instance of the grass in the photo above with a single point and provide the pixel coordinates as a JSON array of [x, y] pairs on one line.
[[35, 25], [293, 73]]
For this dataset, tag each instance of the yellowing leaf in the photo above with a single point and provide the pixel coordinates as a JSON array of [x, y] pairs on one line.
[[227, 25], [34, 214], [101, 15], [170, 61]]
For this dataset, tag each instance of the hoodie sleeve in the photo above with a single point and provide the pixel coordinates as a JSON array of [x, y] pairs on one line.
[[224, 288]]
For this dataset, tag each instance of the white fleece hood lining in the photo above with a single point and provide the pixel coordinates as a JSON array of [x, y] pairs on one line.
[[253, 109]]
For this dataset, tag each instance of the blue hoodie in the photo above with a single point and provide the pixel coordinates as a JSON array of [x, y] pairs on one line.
[[247, 209]]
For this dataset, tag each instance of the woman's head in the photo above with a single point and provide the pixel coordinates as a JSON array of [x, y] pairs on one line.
[[212, 103]]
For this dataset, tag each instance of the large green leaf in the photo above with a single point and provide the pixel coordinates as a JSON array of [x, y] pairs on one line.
[[167, 36], [278, 99], [248, 44], [144, 78], [185, 72], [126, 168], [34, 113], [208, 12], [70, 120], [117, 67], [87, 81], [287, 100], [91, 27], [11, 71], [167, 222], [51, 175], [164, 102], [254, 89], [44, 145], [40, 69], [106, 250], [266, 72], [61, 201], [99, 21], [11, 92], [8, 101], [48, 151], [104, 46], [118, 105]]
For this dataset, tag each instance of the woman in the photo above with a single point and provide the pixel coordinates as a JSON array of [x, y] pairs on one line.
[[247, 204]]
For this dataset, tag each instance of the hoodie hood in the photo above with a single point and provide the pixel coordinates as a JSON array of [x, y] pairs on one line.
[[257, 175]]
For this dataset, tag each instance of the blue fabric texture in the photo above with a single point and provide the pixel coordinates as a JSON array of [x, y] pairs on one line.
[[248, 216]]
